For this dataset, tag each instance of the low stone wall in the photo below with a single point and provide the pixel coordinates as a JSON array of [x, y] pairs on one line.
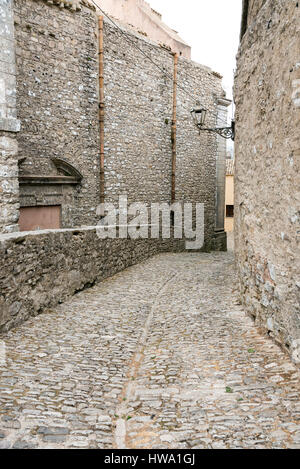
[[42, 269]]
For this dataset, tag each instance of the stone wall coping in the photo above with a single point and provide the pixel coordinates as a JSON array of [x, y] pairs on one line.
[[224, 102], [132, 32], [201, 66], [73, 5], [23, 234], [20, 235]]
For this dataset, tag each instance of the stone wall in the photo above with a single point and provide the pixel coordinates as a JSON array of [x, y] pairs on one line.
[[57, 80], [197, 153], [58, 70], [138, 113], [267, 197], [138, 118], [9, 125], [41, 269], [253, 9]]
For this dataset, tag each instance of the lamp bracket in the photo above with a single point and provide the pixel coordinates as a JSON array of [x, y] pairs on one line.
[[225, 132], [199, 115]]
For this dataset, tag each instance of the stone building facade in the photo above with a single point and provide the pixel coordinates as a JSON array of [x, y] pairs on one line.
[[267, 173], [138, 122], [57, 77], [57, 170]]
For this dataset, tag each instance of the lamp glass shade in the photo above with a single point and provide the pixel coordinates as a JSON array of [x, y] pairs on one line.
[[199, 116]]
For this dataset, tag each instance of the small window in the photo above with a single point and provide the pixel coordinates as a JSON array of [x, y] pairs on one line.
[[229, 211]]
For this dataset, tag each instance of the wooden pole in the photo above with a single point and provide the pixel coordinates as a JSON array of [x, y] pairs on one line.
[[101, 109], [174, 120]]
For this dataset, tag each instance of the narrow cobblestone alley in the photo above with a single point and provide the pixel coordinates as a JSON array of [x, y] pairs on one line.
[[159, 356]]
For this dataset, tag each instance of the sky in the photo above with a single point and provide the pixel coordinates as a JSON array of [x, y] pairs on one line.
[[210, 27]]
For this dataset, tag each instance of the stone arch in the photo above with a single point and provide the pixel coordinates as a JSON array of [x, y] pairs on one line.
[[63, 167]]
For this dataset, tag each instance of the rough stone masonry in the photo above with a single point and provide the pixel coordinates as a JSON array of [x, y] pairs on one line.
[[9, 125], [267, 93], [58, 105], [57, 100]]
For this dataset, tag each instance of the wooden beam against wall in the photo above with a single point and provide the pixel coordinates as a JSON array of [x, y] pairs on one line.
[[174, 129], [101, 109]]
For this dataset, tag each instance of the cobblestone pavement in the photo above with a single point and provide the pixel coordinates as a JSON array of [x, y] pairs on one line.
[[159, 356]]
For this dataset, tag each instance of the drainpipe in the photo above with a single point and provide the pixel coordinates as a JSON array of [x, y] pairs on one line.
[[101, 109], [173, 135]]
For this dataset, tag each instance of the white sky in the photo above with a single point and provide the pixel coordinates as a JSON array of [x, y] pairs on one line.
[[210, 27]]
